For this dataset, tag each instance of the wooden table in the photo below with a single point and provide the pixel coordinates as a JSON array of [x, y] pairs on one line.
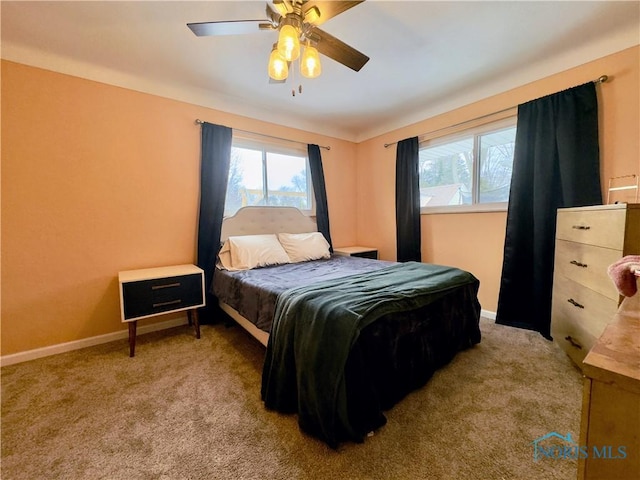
[[155, 291], [610, 424]]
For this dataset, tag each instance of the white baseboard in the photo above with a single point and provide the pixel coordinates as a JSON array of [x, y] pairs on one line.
[[87, 342], [110, 337], [488, 314]]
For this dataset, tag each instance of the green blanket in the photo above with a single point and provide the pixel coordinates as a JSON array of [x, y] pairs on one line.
[[316, 326]]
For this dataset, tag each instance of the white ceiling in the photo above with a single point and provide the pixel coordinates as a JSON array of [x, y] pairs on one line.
[[427, 57]]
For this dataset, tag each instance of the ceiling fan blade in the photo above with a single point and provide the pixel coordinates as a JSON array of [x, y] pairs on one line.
[[273, 14], [327, 9], [338, 50], [233, 27]]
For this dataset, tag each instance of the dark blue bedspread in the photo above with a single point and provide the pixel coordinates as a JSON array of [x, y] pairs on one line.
[[317, 366], [253, 293]]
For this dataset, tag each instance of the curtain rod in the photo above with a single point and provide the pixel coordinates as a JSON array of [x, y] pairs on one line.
[[601, 79], [200, 122]]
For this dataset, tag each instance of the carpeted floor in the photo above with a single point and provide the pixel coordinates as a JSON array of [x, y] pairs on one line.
[[190, 409]]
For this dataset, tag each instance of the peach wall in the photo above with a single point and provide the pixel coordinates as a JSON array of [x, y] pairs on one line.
[[98, 179], [475, 241]]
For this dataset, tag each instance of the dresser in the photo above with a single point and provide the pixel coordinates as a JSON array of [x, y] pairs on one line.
[[154, 291], [610, 423], [588, 240]]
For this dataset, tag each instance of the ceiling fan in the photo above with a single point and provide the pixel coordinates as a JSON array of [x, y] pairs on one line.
[[297, 22]]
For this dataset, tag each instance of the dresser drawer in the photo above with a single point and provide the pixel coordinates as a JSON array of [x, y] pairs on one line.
[[370, 254], [572, 338], [603, 227], [577, 326], [587, 265], [583, 306], [149, 297]]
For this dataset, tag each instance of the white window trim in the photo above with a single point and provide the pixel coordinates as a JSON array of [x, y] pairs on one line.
[[246, 140], [507, 122], [475, 208]]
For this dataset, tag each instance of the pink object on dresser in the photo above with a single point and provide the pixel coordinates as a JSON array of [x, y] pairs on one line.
[[624, 274]]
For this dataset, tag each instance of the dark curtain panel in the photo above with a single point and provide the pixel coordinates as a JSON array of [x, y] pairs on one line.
[[214, 173], [320, 192], [408, 201], [555, 165]]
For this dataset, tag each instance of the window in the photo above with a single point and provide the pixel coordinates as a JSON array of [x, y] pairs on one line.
[[468, 171], [267, 174]]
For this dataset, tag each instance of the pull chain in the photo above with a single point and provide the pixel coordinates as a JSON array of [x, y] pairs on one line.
[[293, 80]]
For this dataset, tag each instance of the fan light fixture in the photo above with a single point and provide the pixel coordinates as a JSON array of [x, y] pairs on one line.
[[278, 66], [310, 64], [288, 43], [287, 50]]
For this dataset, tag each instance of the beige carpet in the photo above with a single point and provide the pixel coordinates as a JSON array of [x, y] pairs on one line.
[[190, 409]]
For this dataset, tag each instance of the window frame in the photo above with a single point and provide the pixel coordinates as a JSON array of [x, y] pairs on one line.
[[475, 132], [269, 145]]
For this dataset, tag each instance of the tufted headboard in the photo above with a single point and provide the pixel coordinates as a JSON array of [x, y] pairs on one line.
[[261, 220]]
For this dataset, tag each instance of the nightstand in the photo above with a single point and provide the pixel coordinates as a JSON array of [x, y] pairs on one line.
[[357, 251], [156, 291]]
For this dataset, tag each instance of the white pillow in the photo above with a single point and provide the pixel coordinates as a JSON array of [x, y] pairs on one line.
[[251, 251], [224, 257], [304, 246]]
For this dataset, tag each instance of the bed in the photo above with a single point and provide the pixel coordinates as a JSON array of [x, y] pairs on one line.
[[346, 337]]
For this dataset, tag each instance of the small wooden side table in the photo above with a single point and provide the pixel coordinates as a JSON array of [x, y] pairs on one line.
[[357, 251], [156, 291]]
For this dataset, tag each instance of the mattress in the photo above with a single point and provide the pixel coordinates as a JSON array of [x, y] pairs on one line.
[[253, 293]]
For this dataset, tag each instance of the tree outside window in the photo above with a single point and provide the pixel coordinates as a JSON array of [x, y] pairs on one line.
[[263, 177], [467, 170]]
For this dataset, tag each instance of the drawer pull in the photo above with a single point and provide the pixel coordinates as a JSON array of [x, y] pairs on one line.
[[578, 264], [573, 342], [164, 304], [168, 285], [581, 227], [574, 303]]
